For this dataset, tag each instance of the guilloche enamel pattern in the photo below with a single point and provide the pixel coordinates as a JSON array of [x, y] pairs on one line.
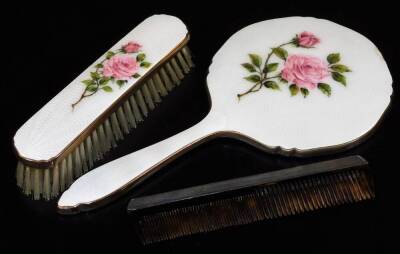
[[297, 86], [101, 106]]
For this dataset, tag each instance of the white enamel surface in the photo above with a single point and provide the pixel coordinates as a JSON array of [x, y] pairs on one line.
[[112, 176], [273, 118], [56, 125]]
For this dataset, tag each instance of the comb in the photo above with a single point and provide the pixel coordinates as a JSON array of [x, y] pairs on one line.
[[245, 200], [64, 139]]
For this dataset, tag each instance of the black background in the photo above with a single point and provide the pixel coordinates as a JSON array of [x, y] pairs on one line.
[[47, 46]]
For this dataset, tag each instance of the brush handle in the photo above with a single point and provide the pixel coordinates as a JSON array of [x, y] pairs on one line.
[[107, 181]]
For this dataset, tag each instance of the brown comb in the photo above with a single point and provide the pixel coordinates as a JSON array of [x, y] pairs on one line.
[[250, 199]]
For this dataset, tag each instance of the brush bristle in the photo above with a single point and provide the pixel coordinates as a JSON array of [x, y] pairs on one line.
[[262, 203], [49, 183]]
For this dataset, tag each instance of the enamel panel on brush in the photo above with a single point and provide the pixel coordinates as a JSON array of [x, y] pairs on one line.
[[56, 125]]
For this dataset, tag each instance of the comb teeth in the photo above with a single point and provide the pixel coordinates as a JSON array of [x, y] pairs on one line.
[[49, 183], [271, 201]]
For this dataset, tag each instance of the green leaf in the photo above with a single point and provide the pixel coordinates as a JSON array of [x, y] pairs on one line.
[[107, 89], [340, 68], [270, 67], [271, 84], [295, 41], [253, 78], [91, 88], [333, 58], [255, 59], [140, 57], [339, 78], [145, 64], [94, 75], [109, 54], [103, 81], [249, 67], [325, 88], [136, 75], [294, 90], [304, 92], [280, 52], [121, 82], [99, 65], [283, 80], [88, 82]]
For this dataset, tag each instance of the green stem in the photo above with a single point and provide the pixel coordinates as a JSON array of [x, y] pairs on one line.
[[251, 90], [269, 56], [277, 76], [84, 95], [264, 76], [272, 52]]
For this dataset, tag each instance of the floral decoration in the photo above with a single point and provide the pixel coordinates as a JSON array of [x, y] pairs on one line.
[[301, 73], [118, 67]]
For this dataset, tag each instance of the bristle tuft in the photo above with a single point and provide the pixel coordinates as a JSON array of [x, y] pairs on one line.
[[154, 91], [147, 97], [77, 163], [177, 69], [172, 73], [48, 183], [27, 181], [129, 115], [115, 127], [135, 109], [55, 188], [122, 120], [188, 56], [82, 150], [63, 177], [140, 100], [167, 81], [20, 174], [70, 172]]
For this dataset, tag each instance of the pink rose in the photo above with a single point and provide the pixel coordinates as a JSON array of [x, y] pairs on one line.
[[307, 40], [131, 47], [120, 67], [305, 71]]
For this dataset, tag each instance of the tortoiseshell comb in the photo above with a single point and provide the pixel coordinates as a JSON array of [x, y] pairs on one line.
[[250, 199]]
